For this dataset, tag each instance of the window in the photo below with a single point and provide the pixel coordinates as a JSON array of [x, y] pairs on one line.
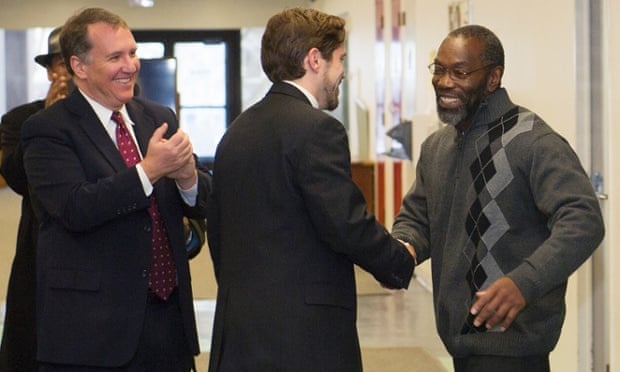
[[208, 80]]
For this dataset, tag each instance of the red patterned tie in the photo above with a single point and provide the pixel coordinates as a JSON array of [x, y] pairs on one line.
[[162, 279]]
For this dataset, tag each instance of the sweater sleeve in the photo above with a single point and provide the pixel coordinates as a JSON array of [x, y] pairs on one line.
[[412, 224], [562, 192]]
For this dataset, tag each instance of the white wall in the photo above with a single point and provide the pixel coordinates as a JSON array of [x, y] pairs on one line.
[[9, 222], [611, 80], [187, 14], [2, 75]]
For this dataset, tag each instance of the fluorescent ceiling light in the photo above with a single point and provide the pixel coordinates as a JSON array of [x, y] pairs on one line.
[[142, 3]]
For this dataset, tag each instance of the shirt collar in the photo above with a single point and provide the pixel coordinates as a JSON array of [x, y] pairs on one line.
[[105, 114], [313, 101]]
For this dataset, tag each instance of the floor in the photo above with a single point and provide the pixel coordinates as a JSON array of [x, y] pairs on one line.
[[391, 319], [402, 318]]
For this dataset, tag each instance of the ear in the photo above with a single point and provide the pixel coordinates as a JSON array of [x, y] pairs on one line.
[[494, 80], [78, 67], [314, 59]]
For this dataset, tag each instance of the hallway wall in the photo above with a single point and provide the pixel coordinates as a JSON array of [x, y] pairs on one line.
[[612, 133], [187, 14], [10, 209]]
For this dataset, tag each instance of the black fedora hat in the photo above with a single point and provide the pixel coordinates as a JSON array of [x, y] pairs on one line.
[[53, 48]]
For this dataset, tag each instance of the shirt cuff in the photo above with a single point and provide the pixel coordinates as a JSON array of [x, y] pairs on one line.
[[190, 195], [144, 179]]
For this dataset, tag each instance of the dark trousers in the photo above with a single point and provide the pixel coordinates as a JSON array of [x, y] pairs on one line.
[[162, 348], [486, 363]]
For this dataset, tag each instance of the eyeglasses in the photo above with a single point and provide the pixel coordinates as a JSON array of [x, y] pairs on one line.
[[454, 73]]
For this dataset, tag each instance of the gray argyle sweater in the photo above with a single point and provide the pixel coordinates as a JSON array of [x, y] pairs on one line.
[[507, 197]]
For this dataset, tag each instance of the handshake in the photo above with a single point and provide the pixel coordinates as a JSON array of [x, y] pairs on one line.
[[411, 250]]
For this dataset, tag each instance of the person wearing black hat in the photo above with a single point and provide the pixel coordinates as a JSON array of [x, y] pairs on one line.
[[56, 70], [18, 349]]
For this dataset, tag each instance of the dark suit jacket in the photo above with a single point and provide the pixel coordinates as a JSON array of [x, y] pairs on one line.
[[18, 350], [94, 245], [285, 226]]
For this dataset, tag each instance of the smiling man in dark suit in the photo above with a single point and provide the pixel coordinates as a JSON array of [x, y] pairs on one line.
[[103, 300], [287, 223]]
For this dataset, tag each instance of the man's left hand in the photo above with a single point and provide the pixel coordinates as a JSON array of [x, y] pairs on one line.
[[498, 305]]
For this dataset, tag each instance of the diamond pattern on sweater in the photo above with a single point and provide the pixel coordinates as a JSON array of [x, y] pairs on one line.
[[485, 223]]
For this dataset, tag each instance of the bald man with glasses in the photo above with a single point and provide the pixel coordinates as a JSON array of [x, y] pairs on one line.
[[503, 209]]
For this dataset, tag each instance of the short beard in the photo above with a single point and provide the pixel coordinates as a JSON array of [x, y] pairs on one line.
[[465, 112], [331, 96], [332, 104], [451, 117]]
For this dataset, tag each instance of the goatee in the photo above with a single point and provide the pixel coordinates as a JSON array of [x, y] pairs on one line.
[[452, 117]]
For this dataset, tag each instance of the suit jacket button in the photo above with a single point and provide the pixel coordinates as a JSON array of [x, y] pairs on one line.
[[145, 273]]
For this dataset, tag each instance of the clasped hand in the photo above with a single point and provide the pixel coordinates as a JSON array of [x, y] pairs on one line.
[[170, 157]]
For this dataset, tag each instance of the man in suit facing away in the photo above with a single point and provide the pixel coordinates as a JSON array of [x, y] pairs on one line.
[[111, 177], [287, 223]]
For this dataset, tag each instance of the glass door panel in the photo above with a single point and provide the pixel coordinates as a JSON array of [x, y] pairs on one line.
[[202, 93]]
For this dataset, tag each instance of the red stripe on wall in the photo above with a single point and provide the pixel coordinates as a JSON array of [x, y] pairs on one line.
[[398, 185], [381, 192]]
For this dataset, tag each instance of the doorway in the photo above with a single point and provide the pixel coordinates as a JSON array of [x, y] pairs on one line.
[[208, 80]]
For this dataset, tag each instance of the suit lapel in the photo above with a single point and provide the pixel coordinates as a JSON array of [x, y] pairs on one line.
[[144, 124], [94, 130], [91, 125]]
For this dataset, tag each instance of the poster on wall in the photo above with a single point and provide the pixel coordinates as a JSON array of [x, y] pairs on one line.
[[458, 13]]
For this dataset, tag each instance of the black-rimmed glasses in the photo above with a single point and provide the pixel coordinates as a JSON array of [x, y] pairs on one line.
[[456, 73]]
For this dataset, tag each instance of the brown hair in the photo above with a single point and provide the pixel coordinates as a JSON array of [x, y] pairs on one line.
[[289, 36], [74, 39]]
